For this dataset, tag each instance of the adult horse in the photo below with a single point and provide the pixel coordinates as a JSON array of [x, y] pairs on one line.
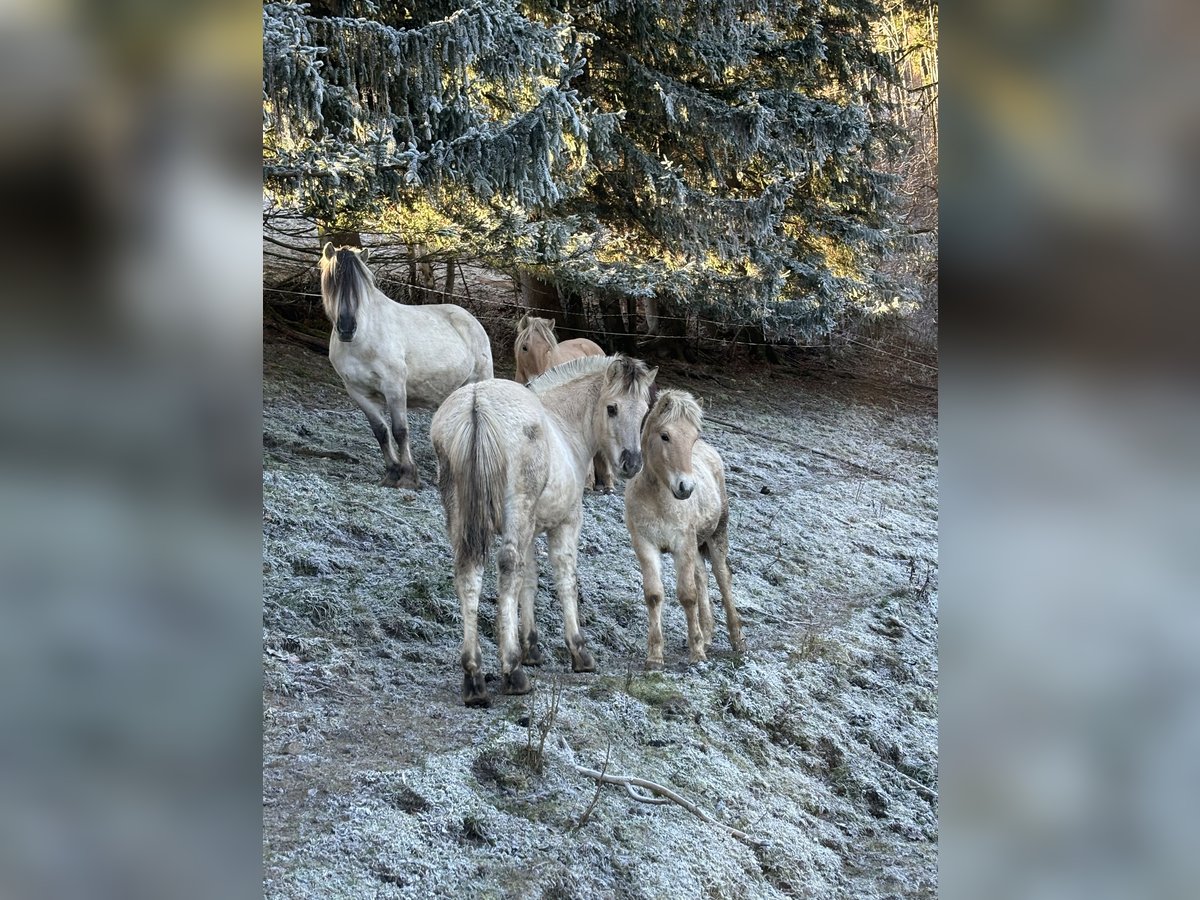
[[512, 462], [537, 350], [391, 356]]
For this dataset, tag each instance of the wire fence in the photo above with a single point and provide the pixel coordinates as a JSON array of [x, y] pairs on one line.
[[736, 328]]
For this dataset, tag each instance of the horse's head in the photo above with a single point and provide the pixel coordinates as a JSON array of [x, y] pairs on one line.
[[668, 435], [345, 279], [625, 396], [535, 340]]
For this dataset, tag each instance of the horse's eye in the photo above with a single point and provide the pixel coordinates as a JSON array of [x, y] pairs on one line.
[[525, 347], [666, 437], [612, 409]]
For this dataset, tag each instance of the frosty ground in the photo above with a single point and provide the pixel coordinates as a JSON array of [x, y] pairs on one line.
[[820, 742]]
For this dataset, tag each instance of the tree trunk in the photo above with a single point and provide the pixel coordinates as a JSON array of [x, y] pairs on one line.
[[668, 324], [618, 338], [338, 237], [449, 286], [573, 310], [541, 298]]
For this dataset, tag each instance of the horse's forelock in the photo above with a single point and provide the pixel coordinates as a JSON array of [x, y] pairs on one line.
[[673, 405], [544, 328], [626, 375]]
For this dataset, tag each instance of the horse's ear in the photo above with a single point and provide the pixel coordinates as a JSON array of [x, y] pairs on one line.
[[328, 251], [653, 386], [364, 254], [523, 323]]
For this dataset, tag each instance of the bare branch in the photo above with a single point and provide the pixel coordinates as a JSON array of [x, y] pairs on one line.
[[629, 780]]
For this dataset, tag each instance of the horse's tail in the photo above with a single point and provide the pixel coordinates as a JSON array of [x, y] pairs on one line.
[[473, 477]]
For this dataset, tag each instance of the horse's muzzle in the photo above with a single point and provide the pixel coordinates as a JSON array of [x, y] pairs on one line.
[[682, 491], [346, 336], [630, 463]]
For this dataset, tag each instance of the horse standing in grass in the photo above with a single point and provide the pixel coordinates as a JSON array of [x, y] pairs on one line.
[[537, 350], [678, 504], [512, 462], [392, 356]]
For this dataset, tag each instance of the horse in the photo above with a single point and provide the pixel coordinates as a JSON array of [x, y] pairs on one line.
[[538, 350], [678, 504], [391, 356], [511, 463]]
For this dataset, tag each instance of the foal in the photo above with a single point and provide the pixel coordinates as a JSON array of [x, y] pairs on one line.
[[678, 504]]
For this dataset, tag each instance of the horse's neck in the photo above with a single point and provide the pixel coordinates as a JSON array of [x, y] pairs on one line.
[[571, 408]]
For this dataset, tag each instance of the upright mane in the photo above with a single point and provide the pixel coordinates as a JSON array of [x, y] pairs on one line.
[[345, 275], [629, 372], [569, 371], [673, 405]]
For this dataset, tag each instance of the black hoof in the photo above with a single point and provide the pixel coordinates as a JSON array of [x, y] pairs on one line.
[[474, 693], [534, 656], [515, 682], [583, 661]]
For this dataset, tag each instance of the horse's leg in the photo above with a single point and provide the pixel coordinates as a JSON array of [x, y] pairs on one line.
[[406, 475], [604, 480], [650, 560], [518, 537], [468, 581], [531, 650], [718, 547], [564, 547], [377, 417], [704, 605], [686, 559]]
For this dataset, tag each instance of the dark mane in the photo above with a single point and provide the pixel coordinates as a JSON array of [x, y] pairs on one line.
[[349, 273]]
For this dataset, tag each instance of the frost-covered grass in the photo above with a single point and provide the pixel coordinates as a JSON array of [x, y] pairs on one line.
[[820, 742]]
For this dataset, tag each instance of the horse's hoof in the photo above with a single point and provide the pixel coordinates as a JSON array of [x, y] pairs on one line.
[[515, 682], [583, 661], [696, 657], [654, 665], [409, 484], [534, 656], [474, 692], [739, 645]]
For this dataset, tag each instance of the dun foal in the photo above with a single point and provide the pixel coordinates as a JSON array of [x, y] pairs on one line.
[[678, 504], [511, 463]]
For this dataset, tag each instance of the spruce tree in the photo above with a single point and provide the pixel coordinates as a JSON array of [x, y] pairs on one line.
[[718, 156]]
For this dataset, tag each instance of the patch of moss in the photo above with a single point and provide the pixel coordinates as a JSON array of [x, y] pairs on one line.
[[654, 689]]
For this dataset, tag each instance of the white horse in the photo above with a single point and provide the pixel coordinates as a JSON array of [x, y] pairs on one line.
[[392, 356], [512, 462]]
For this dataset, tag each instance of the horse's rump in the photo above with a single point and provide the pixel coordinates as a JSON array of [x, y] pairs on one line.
[[471, 473]]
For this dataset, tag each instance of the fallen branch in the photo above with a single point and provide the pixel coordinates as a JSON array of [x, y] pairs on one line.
[[587, 813], [308, 340], [629, 781], [732, 426]]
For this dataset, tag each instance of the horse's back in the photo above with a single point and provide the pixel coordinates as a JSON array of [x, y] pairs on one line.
[[445, 347], [572, 349]]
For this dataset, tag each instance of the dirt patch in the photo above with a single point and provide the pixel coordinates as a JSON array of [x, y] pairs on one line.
[[820, 741]]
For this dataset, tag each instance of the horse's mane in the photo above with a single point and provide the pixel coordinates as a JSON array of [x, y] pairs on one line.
[[345, 273], [628, 371], [672, 406], [569, 371], [543, 327]]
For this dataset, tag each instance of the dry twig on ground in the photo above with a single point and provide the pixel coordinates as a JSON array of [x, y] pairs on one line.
[[629, 782]]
